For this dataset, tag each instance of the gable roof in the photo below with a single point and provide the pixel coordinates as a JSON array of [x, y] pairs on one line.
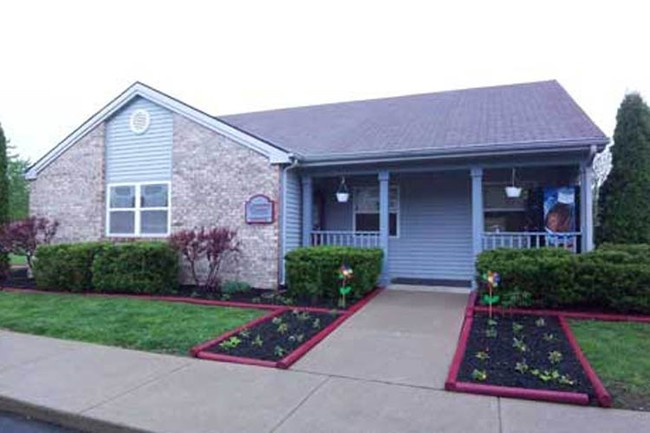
[[274, 153], [531, 116]]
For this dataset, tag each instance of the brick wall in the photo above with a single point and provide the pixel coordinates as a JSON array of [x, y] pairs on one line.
[[212, 178], [71, 190]]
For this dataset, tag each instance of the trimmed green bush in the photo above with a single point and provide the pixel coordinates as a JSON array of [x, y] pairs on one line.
[[234, 286], [66, 266], [311, 272], [612, 278], [137, 267]]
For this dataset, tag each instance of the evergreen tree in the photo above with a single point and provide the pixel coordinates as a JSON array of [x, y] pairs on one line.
[[4, 199], [624, 200]]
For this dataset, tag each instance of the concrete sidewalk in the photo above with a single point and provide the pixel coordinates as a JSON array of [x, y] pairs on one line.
[[382, 371]]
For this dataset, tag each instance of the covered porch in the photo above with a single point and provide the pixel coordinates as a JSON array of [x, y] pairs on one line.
[[432, 221]]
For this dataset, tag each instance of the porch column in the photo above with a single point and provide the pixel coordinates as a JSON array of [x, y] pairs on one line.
[[587, 206], [477, 210], [384, 230], [307, 210]]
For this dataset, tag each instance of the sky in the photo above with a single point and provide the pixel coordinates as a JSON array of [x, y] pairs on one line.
[[62, 61]]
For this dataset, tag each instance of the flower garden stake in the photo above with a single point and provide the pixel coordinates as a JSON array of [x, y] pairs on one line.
[[345, 275], [492, 280]]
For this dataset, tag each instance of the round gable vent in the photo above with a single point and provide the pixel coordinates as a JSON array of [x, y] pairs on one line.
[[139, 121]]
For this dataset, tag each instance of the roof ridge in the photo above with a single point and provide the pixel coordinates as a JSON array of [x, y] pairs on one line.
[[397, 97]]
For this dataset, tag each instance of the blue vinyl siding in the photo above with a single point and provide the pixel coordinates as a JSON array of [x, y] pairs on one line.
[[435, 228], [293, 208], [139, 158], [435, 234]]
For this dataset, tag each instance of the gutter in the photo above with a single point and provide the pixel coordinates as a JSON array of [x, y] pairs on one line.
[[505, 149]]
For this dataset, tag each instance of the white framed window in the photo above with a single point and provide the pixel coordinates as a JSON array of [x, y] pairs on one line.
[[138, 209], [365, 214]]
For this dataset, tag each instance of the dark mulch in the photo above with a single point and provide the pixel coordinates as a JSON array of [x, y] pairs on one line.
[[263, 296], [18, 279], [503, 357], [300, 327]]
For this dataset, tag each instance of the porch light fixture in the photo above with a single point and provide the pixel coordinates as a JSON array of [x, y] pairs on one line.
[[513, 191], [342, 194]]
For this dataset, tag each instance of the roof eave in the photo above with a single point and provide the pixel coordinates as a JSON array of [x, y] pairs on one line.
[[493, 150]]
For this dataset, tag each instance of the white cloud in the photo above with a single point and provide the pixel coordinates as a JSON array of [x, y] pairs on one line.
[[62, 61]]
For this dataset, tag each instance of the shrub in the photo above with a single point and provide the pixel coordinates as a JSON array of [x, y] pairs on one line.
[[613, 277], [66, 266], [137, 267], [311, 272], [213, 245], [23, 237]]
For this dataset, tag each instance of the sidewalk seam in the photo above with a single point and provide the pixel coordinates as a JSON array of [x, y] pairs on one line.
[[299, 405], [359, 379], [130, 390], [499, 414]]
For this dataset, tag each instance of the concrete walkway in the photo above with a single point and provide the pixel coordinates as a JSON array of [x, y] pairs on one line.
[[382, 371]]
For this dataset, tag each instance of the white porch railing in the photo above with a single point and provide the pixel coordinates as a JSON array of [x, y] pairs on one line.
[[345, 238], [527, 240]]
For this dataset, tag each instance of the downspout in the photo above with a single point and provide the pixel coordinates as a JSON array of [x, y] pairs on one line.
[[294, 163]]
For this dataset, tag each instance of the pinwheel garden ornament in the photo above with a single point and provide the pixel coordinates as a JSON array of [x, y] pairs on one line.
[[345, 275], [492, 280]]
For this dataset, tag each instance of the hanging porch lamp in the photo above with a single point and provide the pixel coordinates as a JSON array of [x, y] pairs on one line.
[[513, 191], [342, 194]]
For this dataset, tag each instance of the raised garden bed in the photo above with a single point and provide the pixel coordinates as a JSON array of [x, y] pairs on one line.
[[522, 354], [522, 351], [276, 340]]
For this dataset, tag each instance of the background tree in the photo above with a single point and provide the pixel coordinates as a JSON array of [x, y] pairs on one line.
[[624, 200], [4, 200], [18, 186]]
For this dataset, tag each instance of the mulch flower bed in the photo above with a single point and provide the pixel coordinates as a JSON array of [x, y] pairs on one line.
[[17, 279], [274, 339], [264, 296], [523, 351]]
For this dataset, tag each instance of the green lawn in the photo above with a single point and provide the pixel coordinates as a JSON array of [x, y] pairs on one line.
[[131, 323], [620, 354], [15, 260]]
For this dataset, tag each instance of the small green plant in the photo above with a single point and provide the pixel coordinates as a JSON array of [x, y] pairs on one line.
[[566, 380], [492, 322], [285, 300], [316, 323], [257, 341], [245, 333], [548, 337], [225, 297], [276, 320], [230, 343], [519, 344], [480, 375], [482, 355], [283, 328], [540, 323], [299, 338], [555, 357], [279, 351], [491, 333], [256, 300], [517, 327], [303, 316], [235, 287], [521, 366]]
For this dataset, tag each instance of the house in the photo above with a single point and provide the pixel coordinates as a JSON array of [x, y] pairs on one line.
[[432, 179]]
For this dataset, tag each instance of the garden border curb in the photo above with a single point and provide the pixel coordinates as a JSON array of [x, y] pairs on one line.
[[286, 362], [568, 314], [603, 397]]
